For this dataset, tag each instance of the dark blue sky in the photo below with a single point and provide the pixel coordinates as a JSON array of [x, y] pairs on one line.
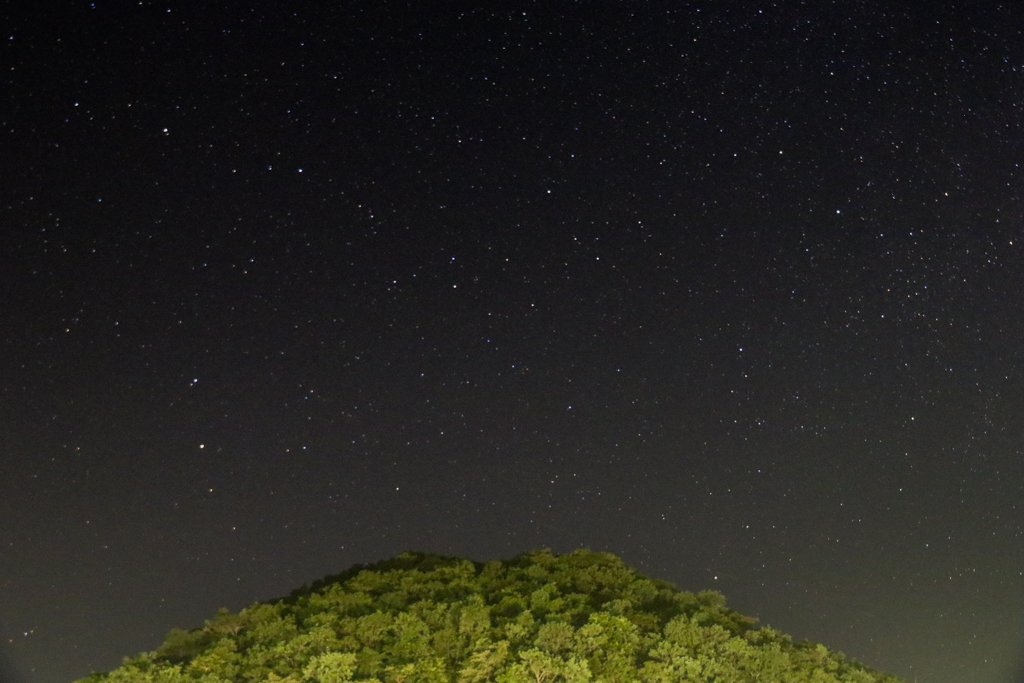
[[732, 290]]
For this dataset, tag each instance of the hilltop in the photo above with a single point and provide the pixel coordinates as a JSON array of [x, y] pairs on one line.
[[536, 618]]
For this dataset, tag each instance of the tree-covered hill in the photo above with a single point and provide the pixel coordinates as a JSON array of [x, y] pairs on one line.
[[537, 618]]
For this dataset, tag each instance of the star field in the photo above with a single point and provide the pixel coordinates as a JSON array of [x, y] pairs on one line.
[[732, 290]]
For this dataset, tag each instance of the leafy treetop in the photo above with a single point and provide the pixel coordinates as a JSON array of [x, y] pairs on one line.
[[583, 617]]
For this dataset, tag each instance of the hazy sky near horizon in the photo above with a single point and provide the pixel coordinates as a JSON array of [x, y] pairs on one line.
[[732, 290]]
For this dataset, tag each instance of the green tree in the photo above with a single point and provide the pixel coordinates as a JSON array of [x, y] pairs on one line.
[[145, 670], [221, 661], [330, 667], [537, 666], [610, 645], [180, 646], [484, 662], [372, 629], [555, 637], [425, 670], [412, 638]]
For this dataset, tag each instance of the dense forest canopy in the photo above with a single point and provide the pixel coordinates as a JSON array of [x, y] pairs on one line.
[[537, 618]]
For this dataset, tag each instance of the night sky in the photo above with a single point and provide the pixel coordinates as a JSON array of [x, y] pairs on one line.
[[734, 290]]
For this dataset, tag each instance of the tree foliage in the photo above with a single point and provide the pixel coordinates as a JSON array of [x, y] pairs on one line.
[[538, 618]]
